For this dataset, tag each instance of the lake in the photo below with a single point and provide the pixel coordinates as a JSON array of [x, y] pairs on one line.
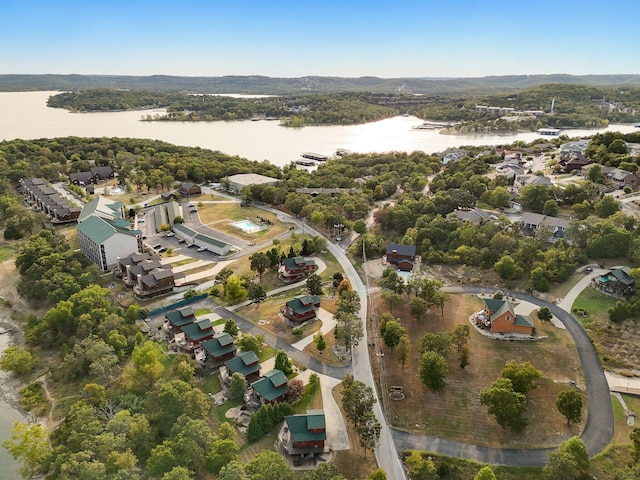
[[25, 115]]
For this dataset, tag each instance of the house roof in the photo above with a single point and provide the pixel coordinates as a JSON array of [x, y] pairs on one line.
[[405, 250], [184, 186], [81, 176], [473, 215], [247, 179], [523, 320], [272, 385], [622, 275], [618, 174], [180, 317], [198, 330], [303, 304], [103, 207], [301, 425], [500, 307], [219, 345], [98, 230], [102, 171], [297, 262], [245, 363]]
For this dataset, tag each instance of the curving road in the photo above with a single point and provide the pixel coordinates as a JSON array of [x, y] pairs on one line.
[[597, 433], [598, 430]]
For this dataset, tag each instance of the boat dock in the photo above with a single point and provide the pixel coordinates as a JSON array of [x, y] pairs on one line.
[[549, 131], [318, 157]]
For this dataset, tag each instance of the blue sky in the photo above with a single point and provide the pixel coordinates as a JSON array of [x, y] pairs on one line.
[[445, 38]]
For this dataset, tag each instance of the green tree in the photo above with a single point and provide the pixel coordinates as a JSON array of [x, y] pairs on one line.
[[314, 284], [249, 342], [505, 404], [507, 268], [320, 342], [569, 404], [379, 474], [237, 385], [234, 470], [178, 473], [485, 473], [222, 452], [463, 357], [324, 471], [256, 293], [369, 429], [403, 350], [269, 465], [417, 307], [283, 363], [571, 460], [436, 342], [235, 289], [222, 277], [30, 446], [360, 226], [349, 328], [433, 370], [545, 314], [523, 376], [161, 460], [391, 298], [231, 327], [420, 468], [357, 400], [551, 208], [606, 206], [538, 280], [259, 263], [17, 360], [460, 336], [393, 332], [145, 367]]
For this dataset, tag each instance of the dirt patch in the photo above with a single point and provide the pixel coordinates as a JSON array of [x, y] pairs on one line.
[[456, 412]]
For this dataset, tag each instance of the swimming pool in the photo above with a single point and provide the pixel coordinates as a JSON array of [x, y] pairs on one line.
[[248, 226]]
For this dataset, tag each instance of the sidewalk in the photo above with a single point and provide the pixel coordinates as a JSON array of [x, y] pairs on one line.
[[567, 302], [328, 324]]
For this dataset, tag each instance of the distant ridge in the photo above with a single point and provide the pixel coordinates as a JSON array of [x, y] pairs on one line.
[[257, 84]]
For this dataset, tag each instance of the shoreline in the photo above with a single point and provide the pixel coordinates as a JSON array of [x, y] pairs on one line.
[[10, 410]]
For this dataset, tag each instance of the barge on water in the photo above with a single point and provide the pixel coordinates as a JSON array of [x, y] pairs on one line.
[[318, 157], [549, 131]]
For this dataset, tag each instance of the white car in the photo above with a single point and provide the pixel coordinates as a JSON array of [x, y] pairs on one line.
[[171, 234], [201, 249]]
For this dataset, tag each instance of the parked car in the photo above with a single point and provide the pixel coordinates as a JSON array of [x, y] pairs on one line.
[[171, 234], [182, 240], [157, 246], [162, 250], [201, 249], [193, 210]]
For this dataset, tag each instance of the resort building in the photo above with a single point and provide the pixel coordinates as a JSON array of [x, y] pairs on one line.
[[188, 189], [296, 268], [203, 241], [217, 350], [617, 282], [191, 335], [300, 310], [241, 180], [41, 196], [402, 256], [103, 208], [304, 434], [246, 363], [272, 387], [105, 242], [176, 319], [498, 316], [158, 281]]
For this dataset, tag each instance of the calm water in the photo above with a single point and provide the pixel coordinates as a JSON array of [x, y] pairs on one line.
[[25, 115]]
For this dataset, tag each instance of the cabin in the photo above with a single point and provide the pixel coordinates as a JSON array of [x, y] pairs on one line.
[[271, 388], [81, 178], [296, 269], [498, 316], [475, 216], [41, 196], [190, 337], [176, 319], [402, 256], [303, 434], [300, 310], [188, 189], [158, 281], [100, 174], [533, 222], [618, 178], [217, 350], [246, 363], [617, 282]]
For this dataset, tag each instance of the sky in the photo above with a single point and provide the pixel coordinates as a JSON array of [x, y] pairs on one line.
[[343, 38]]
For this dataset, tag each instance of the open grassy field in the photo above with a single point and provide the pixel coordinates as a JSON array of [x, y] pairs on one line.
[[456, 411], [617, 343]]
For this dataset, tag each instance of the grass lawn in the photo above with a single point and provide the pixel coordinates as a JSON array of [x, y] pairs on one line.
[[311, 400], [456, 412], [616, 342], [202, 311], [266, 353], [269, 312], [327, 356], [222, 409], [211, 384]]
